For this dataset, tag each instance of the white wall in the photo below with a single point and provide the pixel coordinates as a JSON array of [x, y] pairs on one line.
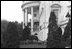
[[46, 14]]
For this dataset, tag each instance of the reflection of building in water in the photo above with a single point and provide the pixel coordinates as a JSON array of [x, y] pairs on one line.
[[38, 13]]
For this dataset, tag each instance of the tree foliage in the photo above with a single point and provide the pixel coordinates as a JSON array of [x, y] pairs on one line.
[[10, 34]]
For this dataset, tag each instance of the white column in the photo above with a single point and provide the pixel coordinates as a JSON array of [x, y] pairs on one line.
[[32, 21], [25, 17]]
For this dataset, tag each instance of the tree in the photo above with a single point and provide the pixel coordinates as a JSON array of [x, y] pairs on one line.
[[55, 33], [11, 36], [4, 25]]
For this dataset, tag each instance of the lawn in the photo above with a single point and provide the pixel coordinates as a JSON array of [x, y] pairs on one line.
[[32, 45]]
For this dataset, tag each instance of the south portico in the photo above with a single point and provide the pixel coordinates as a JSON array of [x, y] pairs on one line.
[[42, 17]]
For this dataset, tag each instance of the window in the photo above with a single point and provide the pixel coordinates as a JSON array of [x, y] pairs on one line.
[[35, 15], [36, 22]]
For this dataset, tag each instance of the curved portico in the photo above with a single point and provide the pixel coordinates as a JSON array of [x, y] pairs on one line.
[[34, 9]]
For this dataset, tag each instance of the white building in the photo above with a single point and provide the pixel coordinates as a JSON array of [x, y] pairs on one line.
[[39, 12]]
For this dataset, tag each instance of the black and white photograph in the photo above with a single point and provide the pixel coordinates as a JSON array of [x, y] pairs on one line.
[[35, 24]]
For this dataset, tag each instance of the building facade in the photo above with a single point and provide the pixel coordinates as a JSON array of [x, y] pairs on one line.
[[37, 13]]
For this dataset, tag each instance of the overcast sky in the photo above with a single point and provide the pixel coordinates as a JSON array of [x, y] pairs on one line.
[[11, 11]]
